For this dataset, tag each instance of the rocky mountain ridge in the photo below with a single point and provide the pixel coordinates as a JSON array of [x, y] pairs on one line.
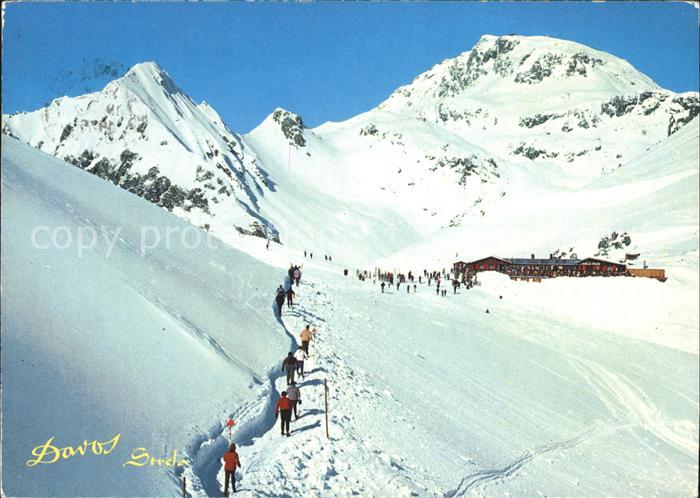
[[144, 134]]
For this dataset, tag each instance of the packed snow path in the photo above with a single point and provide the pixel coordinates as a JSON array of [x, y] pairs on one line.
[[431, 396], [311, 463]]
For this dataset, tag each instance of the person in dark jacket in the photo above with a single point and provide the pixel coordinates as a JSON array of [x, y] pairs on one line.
[[382, 285], [231, 461], [289, 365], [280, 300], [284, 408], [290, 295]]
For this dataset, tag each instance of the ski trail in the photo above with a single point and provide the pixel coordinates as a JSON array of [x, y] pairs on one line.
[[254, 420], [626, 400], [485, 476]]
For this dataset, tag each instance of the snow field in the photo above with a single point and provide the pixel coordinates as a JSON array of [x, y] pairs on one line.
[[438, 398]]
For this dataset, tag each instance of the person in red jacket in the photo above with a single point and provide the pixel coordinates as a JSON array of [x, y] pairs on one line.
[[284, 407], [231, 461]]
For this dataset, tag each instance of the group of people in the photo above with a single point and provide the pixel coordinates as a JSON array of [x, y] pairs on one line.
[[438, 277], [310, 255], [287, 404], [293, 364], [288, 294], [281, 296], [294, 274]]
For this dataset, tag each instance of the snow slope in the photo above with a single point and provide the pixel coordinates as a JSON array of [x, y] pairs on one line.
[[654, 199], [431, 396], [159, 347]]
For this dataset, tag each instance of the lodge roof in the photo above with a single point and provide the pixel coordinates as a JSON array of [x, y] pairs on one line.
[[545, 261], [542, 262], [601, 261]]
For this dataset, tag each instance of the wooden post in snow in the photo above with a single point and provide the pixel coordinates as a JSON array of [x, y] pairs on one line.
[[325, 400]]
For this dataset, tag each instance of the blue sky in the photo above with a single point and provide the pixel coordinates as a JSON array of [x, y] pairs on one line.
[[325, 61]]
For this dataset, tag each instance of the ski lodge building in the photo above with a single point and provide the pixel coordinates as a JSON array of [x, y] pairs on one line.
[[536, 269]]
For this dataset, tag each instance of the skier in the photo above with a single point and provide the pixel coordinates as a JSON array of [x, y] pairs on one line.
[[297, 275], [290, 293], [295, 397], [267, 245], [289, 364], [383, 284], [284, 406], [437, 291], [290, 273], [231, 461], [408, 288], [414, 288], [306, 337], [280, 300], [304, 253]]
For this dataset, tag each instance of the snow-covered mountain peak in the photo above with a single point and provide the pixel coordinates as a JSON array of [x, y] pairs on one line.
[[145, 71], [145, 134], [521, 67], [146, 80], [282, 122]]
